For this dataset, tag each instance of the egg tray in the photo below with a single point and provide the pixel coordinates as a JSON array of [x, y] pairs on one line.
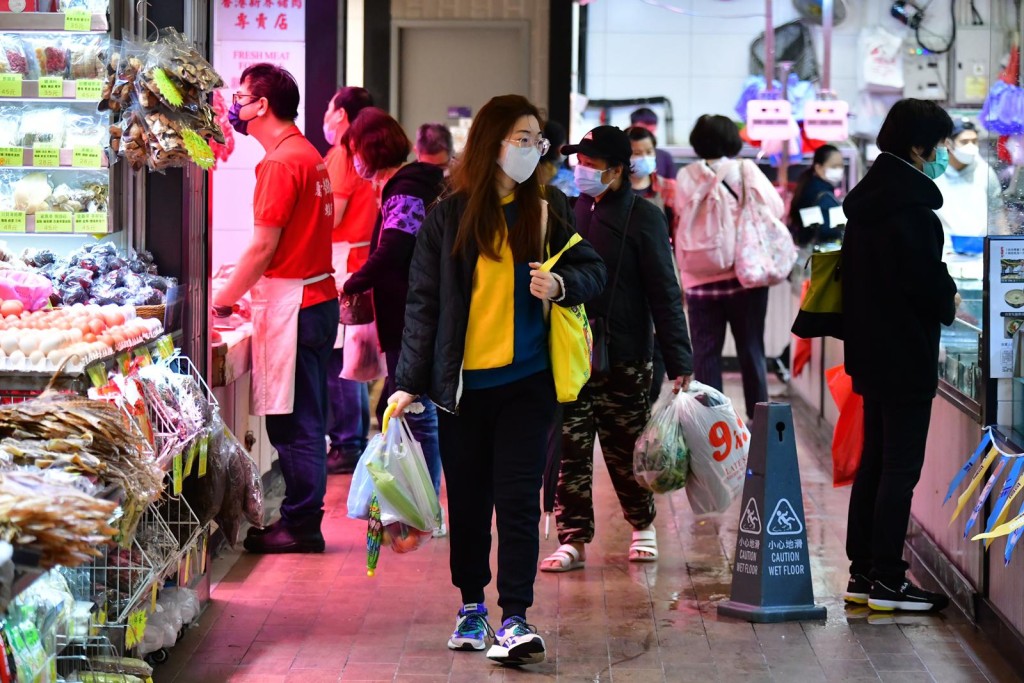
[[46, 368]]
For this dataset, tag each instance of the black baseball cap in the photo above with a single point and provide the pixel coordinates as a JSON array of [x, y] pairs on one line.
[[604, 142], [960, 125]]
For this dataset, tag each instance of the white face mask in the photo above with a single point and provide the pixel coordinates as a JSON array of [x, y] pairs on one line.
[[588, 180], [834, 175], [518, 163], [643, 165], [967, 154]]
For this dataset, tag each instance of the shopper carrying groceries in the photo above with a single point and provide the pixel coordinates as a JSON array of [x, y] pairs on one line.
[[708, 202], [355, 210], [434, 145], [287, 269], [631, 236], [405, 192], [816, 187], [896, 296], [476, 341]]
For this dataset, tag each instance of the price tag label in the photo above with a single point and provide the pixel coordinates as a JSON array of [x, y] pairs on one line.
[[152, 602], [204, 454], [12, 221], [144, 357], [91, 222], [10, 85], [136, 628], [165, 346], [78, 20], [89, 89], [46, 155], [54, 221], [87, 157], [97, 374], [190, 458], [178, 474], [12, 156], [124, 362], [51, 86]]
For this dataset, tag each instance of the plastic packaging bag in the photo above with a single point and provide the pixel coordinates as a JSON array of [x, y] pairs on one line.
[[360, 491], [400, 477], [848, 437], [661, 459], [363, 359], [29, 288], [403, 538], [719, 442]]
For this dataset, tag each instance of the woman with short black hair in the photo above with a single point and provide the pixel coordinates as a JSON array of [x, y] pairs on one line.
[[897, 294]]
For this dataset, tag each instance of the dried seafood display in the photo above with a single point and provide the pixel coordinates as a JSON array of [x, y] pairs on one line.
[[66, 525]]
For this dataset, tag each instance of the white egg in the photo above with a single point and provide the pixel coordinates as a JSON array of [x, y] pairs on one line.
[[76, 334], [9, 342], [28, 343], [49, 341], [56, 356], [16, 359], [36, 357]]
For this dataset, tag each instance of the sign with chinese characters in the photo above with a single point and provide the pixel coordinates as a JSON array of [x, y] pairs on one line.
[[242, 20], [1006, 302], [248, 32]]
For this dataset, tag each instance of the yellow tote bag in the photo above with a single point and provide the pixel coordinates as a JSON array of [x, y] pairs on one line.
[[570, 341]]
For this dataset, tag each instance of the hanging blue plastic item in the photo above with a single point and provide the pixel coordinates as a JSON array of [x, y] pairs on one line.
[[1001, 502], [1003, 112], [1011, 542], [986, 441]]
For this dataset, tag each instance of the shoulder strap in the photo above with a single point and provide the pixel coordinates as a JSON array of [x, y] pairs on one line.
[[622, 251]]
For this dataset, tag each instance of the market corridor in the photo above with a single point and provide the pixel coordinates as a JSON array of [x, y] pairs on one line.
[[318, 618]]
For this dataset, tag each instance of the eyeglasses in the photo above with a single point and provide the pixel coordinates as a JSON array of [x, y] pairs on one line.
[[542, 144], [239, 95]]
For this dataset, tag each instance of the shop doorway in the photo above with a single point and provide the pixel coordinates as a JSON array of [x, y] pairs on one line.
[[436, 65]]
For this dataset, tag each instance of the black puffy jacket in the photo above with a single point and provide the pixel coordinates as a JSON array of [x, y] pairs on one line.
[[897, 292], [441, 287], [647, 286]]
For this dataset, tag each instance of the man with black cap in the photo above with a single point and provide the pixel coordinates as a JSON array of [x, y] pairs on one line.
[[971, 193], [632, 238]]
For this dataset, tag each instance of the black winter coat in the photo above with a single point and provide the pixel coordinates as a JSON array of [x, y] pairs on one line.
[[441, 287], [405, 200], [897, 292], [647, 286]]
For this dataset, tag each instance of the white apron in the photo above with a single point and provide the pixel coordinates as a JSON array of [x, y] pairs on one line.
[[275, 340]]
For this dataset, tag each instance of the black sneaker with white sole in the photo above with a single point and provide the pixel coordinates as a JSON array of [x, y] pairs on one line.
[[857, 590], [887, 596]]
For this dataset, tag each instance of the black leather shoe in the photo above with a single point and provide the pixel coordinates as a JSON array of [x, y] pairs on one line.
[[279, 539], [340, 462]]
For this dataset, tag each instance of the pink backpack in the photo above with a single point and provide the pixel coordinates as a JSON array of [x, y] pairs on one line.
[[706, 234]]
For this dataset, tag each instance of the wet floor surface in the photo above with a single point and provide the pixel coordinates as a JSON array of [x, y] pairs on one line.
[[318, 618]]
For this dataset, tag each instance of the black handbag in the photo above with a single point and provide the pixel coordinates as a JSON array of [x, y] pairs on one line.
[[356, 309], [600, 362]]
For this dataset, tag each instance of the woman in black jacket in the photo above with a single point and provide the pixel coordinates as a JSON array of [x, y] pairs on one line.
[[631, 236], [896, 296], [817, 188], [405, 191], [476, 342]]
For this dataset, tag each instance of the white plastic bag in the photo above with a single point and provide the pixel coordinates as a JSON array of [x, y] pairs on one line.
[[718, 442], [661, 459], [363, 360], [360, 491], [401, 480]]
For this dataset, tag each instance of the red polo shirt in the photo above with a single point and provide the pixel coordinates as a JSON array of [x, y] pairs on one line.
[[293, 192], [361, 210]]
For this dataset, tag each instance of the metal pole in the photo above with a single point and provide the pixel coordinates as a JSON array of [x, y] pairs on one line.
[[783, 177], [769, 47], [826, 40]]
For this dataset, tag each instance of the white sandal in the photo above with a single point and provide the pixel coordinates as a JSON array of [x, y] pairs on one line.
[[567, 557], [644, 547]]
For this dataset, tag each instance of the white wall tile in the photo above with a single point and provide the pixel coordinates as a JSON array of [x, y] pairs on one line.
[[714, 55], [636, 16]]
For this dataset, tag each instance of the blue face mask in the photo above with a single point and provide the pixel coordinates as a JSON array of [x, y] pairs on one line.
[[235, 118], [588, 180], [643, 166], [935, 169]]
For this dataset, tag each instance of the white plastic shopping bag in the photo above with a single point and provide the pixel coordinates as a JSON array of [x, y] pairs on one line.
[[661, 459], [718, 442], [363, 360], [360, 491]]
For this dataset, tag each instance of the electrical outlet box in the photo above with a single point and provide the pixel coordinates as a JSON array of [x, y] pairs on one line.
[[925, 75], [974, 64]]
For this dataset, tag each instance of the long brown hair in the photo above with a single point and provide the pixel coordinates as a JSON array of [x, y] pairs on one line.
[[475, 179]]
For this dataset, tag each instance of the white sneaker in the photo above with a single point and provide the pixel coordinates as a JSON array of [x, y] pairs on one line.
[[517, 643]]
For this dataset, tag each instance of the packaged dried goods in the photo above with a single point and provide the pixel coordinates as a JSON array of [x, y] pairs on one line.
[[87, 56], [44, 126], [13, 59], [31, 193], [51, 55]]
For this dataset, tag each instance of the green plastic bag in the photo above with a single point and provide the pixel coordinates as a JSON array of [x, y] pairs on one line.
[[400, 477]]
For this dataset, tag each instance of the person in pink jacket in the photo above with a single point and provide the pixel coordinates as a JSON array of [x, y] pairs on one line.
[[708, 200]]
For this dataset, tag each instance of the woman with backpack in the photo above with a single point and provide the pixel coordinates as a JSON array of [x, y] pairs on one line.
[[816, 187], [708, 201], [476, 342]]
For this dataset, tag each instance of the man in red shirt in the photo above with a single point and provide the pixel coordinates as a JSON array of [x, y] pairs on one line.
[[355, 211], [287, 268]]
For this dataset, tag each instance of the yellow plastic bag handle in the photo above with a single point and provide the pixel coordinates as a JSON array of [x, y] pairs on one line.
[[387, 417]]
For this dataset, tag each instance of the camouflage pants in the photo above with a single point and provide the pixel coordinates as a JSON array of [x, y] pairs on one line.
[[615, 408]]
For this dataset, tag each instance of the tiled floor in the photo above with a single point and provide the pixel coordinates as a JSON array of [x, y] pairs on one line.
[[314, 619]]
